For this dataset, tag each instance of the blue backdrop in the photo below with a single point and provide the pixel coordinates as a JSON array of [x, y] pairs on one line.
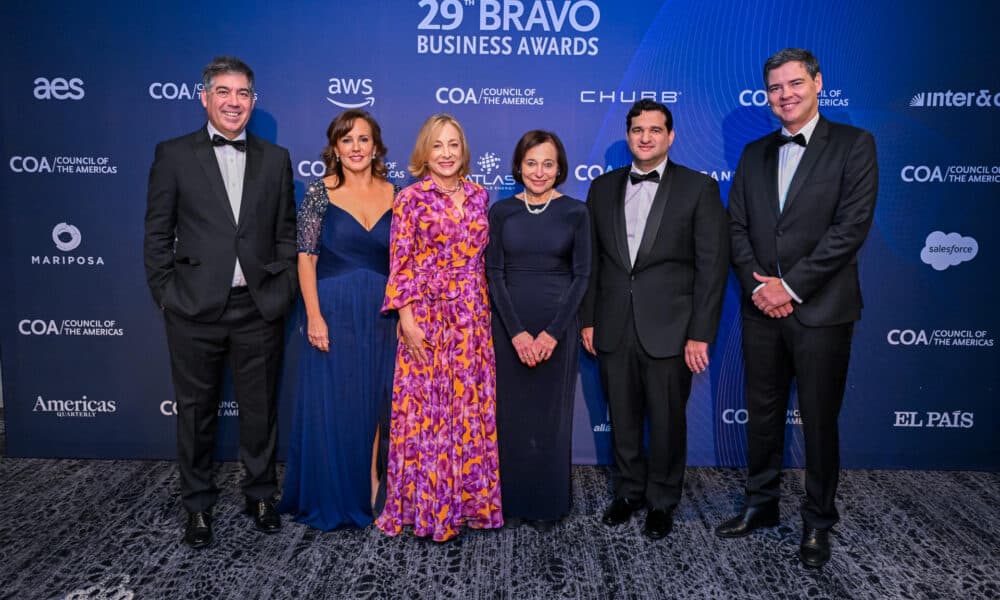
[[91, 87]]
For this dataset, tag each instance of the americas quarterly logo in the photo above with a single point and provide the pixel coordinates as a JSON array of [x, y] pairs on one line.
[[82, 407], [943, 250]]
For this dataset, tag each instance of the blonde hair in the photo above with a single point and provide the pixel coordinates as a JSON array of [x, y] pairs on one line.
[[425, 143]]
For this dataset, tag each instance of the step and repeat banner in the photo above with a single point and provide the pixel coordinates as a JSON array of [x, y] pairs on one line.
[[90, 88]]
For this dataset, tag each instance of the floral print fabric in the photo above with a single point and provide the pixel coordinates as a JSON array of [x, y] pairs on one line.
[[443, 469]]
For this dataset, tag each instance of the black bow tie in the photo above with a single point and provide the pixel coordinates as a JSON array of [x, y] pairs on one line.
[[637, 178], [798, 138], [218, 140]]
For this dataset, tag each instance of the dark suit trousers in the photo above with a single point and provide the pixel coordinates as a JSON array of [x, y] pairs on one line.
[[641, 389], [198, 353], [775, 351]]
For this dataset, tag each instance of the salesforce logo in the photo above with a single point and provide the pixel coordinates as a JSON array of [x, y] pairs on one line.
[[943, 250]]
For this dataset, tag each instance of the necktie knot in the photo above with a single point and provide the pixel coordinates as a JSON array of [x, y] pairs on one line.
[[637, 178], [218, 140], [798, 138]]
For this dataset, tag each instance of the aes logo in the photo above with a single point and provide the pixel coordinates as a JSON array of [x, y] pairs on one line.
[[59, 88]]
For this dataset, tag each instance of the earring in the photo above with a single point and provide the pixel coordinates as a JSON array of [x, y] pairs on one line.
[[374, 155], [337, 157]]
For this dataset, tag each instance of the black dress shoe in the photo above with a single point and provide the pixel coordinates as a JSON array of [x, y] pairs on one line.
[[752, 517], [265, 517], [814, 551], [620, 511], [198, 532], [659, 522]]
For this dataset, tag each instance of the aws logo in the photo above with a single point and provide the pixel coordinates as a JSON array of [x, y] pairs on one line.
[[350, 92], [59, 88]]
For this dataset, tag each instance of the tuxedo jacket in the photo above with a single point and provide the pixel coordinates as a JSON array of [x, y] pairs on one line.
[[813, 243], [192, 239], [675, 289]]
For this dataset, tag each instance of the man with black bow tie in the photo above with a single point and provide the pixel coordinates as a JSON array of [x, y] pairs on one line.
[[220, 258], [660, 261], [800, 208]]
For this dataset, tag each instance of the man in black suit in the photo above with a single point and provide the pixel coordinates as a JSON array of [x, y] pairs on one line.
[[660, 261], [220, 261], [800, 208]]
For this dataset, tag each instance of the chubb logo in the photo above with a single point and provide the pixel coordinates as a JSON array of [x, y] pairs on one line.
[[66, 237], [84, 407], [628, 96], [943, 250], [59, 88], [168, 90], [350, 92], [949, 99]]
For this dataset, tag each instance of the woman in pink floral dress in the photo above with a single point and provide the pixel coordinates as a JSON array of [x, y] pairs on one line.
[[443, 469]]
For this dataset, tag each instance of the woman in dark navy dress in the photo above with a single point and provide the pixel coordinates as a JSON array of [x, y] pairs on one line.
[[345, 372], [537, 263]]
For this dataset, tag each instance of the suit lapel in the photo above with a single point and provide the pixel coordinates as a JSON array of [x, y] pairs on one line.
[[655, 217], [771, 175], [205, 153], [248, 203], [809, 159], [618, 220]]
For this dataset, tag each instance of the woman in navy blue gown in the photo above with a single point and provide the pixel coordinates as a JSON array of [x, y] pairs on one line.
[[537, 263], [345, 372]]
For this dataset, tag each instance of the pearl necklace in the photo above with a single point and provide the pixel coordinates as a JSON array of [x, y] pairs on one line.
[[538, 211]]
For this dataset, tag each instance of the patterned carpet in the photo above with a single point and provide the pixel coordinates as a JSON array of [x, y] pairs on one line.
[[111, 529]]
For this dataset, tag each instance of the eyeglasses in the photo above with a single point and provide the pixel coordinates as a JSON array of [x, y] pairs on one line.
[[241, 94]]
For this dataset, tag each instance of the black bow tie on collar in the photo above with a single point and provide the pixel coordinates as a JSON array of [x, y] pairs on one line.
[[798, 138], [218, 140], [637, 178]]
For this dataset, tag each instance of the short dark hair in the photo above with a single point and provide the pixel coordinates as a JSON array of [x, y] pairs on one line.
[[341, 126], [537, 137], [648, 105], [225, 64], [792, 55]]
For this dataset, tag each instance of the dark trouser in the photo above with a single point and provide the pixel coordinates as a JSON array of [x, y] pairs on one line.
[[640, 389], [775, 351], [197, 355]]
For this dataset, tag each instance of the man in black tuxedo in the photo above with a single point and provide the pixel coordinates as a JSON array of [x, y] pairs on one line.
[[800, 208], [660, 261], [220, 261]]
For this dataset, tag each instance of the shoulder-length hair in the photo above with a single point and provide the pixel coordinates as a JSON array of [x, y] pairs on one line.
[[425, 143], [341, 126]]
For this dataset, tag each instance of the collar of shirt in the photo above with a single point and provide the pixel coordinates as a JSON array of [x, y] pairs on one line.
[[660, 168], [807, 129], [212, 131]]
